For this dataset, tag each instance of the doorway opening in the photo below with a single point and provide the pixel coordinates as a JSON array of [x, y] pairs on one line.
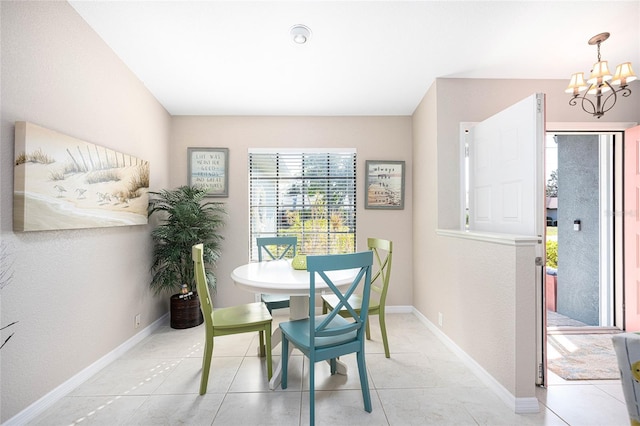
[[583, 281], [581, 226]]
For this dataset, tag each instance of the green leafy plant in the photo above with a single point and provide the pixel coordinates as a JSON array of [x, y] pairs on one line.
[[186, 220], [552, 254]]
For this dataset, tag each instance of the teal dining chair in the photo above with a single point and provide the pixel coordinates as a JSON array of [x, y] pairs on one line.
[[383, 251], [329, 336], [245, 318], [276, 248]]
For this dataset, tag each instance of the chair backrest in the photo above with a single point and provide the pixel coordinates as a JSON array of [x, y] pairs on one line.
[[383, 251], [283, 246], [318, 266], [206, 304]]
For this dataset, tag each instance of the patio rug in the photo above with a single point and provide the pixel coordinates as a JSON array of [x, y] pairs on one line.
[[582, 356]]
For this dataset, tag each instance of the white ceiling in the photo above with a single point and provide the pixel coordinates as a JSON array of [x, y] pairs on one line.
[[363, 58]]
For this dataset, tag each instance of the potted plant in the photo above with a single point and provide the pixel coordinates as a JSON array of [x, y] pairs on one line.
[[185, 220]]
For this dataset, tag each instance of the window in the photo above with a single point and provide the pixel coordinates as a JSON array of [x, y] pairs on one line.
[[310, 195]]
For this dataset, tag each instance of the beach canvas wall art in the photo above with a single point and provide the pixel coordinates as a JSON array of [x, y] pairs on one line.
[[61, 182]]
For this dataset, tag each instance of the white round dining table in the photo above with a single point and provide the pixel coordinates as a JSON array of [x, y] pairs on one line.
[[279, 277]]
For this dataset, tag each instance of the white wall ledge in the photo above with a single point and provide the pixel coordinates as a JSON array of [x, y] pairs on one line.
[[492, 237]]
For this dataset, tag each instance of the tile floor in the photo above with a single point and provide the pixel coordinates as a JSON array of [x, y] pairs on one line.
[[157, 382]]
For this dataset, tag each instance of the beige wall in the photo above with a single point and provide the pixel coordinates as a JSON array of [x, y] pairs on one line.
[[73, 293], [375, 138], [485, 291]]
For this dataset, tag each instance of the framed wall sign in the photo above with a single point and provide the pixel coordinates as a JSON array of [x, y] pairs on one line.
[[209, 167], [384, 185]]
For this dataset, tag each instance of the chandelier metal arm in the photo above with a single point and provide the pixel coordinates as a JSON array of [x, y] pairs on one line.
[[600, 107], [584, 102]]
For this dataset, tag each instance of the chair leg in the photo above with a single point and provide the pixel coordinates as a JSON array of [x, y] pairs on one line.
[[206, 364], [285, 361], [383, 330], [332, 365], [368, 329], [312, 395], [268, 354], [364, 383]]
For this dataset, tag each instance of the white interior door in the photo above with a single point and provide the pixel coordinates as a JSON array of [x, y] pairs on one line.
[[506, 151], [507, 188]]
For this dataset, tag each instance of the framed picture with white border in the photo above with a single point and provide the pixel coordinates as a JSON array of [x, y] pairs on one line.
[[384, 187], [209, 167]]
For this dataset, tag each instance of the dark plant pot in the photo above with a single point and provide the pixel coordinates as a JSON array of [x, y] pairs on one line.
[[185, 311]]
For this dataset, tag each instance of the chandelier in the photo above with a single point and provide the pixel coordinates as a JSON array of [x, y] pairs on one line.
[[600, 83]]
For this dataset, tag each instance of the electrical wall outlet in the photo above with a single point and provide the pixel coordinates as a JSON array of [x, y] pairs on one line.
[[440, 319], [137, 321]]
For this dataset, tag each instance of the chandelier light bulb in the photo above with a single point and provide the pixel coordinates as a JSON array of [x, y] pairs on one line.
[[577, 84], [624, 74], [600, 73]]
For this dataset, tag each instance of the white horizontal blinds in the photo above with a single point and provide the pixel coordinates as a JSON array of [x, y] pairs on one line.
[[310, 195]]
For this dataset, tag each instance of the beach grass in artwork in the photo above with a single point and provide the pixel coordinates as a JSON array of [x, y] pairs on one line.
[[61, 182]]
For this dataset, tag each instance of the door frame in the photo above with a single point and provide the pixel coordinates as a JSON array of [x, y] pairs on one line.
[[631, 228]]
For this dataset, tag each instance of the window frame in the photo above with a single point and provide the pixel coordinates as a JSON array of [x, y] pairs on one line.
[[277, 217]]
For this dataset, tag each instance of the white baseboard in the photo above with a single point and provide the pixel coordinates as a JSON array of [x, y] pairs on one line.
[[518, 405], [399, 309], [38, 407]]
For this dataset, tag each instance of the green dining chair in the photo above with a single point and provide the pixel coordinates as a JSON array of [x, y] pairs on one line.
[[330, 336], [383, 250], [276, 248], [224, 321]]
